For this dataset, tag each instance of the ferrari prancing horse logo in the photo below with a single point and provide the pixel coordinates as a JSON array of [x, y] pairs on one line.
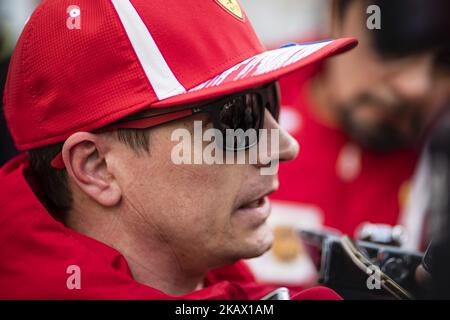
[[233, 7]]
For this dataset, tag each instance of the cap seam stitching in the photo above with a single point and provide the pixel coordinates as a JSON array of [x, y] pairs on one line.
[[127, 39]]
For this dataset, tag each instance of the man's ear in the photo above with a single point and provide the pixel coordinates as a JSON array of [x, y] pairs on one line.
[[84, 155]]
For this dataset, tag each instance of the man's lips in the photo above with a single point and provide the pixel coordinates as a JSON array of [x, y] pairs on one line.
[[256, 211], [254, 204], [257, 200]]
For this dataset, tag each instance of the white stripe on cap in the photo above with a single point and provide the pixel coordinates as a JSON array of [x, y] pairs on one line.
[[162, 79]]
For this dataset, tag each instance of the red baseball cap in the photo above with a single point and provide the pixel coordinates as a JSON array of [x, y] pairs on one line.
[[80, 65]]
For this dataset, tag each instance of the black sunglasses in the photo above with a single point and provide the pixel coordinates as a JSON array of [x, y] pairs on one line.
[[239, 117]]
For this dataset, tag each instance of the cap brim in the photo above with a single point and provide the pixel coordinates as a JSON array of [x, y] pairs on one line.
[[261, 69]]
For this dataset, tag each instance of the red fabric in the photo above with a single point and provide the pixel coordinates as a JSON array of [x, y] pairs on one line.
[[62, 81], [36, 250], [143, 123], [374, 195]]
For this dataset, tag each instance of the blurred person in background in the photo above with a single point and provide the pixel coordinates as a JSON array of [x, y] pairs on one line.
[[359, 120]]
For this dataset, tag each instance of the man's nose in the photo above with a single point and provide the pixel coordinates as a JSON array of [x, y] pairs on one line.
[[288, 147], [414, 80]]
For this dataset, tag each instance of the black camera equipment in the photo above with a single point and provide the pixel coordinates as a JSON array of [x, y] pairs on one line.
[[361, 269], [437, 259]]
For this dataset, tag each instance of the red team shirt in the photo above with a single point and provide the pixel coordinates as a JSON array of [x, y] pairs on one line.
[[37, 253], [350, 185], [347, 183]]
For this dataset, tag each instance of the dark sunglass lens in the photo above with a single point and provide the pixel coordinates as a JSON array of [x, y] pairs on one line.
[[243, 115], [273, 103]]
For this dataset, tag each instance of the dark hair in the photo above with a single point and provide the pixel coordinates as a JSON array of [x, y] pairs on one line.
[[408, 26], [412, 26], [53, 182], [341, 6]]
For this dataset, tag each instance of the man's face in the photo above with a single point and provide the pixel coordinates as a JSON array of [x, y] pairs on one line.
[[382, 102], [207, 215]]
